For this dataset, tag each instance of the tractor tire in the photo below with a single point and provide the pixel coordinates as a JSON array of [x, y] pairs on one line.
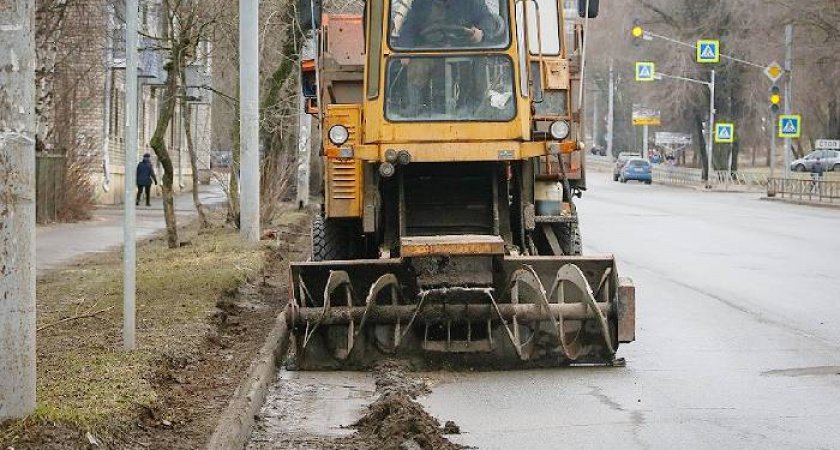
[[329, 241], [570, 239]]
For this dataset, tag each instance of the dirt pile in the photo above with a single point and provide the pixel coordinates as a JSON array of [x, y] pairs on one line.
[[395, 421]]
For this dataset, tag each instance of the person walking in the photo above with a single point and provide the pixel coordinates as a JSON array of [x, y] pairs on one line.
[[145, 177], [816, 175]]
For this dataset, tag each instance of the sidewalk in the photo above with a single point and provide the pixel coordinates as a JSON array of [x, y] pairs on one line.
[[60, 243]]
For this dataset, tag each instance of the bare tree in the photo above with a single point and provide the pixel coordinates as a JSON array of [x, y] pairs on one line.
[[187, 23]]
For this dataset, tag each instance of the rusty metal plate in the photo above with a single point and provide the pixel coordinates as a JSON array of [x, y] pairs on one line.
[[345, 42], [626, 310], [557, 74], [452, 245]]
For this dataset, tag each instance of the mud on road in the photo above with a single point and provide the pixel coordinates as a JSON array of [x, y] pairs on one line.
[[347, 410]]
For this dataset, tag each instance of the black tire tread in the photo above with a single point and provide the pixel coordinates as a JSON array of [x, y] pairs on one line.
[[570, 239], [328, 241]]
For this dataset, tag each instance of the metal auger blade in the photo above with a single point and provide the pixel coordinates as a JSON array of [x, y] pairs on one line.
[[506, 319], [571, 274]]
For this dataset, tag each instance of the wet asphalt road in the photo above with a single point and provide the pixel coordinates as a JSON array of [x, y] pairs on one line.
[[738, 328], [738, 318]]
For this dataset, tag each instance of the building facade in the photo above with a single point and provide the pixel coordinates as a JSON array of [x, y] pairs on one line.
[[82, 93]]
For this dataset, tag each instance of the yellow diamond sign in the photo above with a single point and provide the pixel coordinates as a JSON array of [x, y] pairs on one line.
[[774, 71]]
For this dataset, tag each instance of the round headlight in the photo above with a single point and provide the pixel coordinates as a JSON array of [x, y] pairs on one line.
[[339, 134], [559, 130]]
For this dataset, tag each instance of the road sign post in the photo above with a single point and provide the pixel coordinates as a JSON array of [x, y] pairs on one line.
[[709, 142]]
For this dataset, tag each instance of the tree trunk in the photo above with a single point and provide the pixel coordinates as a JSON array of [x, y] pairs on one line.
[[158, 144], [199, 208]]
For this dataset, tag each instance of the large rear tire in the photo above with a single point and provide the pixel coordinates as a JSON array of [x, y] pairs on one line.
[[329, 240], [570, 239]]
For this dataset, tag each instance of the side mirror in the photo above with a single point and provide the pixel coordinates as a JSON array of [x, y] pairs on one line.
[[306, 9], [593, 8], [308, 81]]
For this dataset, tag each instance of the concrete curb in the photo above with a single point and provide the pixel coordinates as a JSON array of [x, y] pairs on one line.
[[792, 201], [234, 426]]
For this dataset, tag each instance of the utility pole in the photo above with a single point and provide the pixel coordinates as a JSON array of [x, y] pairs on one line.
[[305, 132], [611, 113], [303, 159], [595, 119], [772, 144], [249, 117], [710, 142], [131, 147], [788, 90], [645, 136], [17, 209]]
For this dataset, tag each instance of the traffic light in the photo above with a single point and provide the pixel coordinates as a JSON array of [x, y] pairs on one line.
[[775, 98], [638, 32]]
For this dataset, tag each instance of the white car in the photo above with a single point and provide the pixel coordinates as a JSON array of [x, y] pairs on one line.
[[830, 160]]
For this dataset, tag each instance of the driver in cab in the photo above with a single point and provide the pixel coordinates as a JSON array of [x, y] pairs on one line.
[[448, 23]]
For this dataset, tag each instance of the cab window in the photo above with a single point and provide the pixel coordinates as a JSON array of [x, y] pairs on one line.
[[448, 24]]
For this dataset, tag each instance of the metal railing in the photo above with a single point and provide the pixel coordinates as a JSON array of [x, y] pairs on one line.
[[677, 175], [814, 190], [686, 176]]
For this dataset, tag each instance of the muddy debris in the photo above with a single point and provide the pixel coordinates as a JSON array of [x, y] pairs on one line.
[[395, 421], [450, 427]]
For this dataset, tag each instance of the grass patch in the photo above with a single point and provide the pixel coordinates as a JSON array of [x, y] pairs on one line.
[[84, 378]]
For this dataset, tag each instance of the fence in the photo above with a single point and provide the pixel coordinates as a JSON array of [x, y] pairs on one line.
[[814, 190], [49, 177], [750, 179]]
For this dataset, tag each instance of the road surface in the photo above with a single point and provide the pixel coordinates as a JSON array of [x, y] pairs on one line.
[[738, 316]]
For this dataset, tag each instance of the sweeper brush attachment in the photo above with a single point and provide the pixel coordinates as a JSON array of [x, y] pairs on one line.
[[477, 312]]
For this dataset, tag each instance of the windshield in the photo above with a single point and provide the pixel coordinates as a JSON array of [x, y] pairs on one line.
[[455, 88], [449, 24]]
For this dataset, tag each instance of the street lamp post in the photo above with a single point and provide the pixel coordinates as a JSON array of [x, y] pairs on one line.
[[710, 143], [710, 128]]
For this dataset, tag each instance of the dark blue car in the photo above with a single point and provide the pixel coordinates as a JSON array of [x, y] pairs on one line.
[[637, 169]]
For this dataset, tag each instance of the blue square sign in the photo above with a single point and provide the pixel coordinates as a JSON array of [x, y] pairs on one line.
[[724, 133], [790, 126], [708, 51], [645, 71]]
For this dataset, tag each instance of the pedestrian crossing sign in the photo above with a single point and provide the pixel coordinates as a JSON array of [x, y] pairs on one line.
[[645, 71], [790, 126], [724, 133], [708, 51]]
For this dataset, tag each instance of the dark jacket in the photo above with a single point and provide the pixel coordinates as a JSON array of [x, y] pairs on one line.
[[817, 168], [146, 172], [463, 13]]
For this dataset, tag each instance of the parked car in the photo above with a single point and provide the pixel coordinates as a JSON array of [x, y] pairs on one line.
[[623, 157], [637, 169], [830, 160]]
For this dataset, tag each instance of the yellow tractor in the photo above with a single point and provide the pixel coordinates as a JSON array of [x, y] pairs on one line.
[[448, 233]]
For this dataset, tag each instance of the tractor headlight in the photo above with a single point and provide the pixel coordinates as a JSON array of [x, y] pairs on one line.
[[339, 134], [560, 130]]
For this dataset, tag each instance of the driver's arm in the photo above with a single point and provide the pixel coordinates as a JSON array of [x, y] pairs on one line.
[[410, 28], [484, 20]]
